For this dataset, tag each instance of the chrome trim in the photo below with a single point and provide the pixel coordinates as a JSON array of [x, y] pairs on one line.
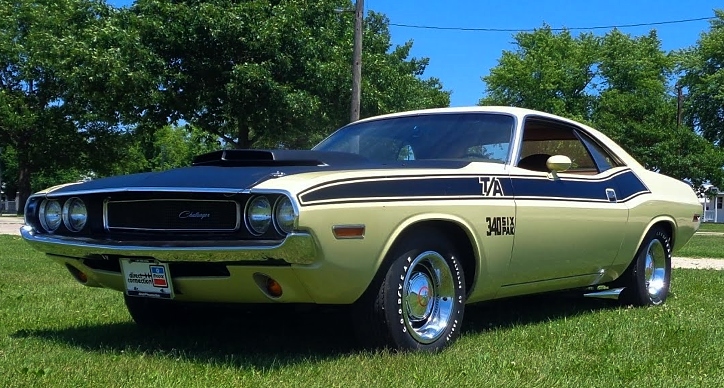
[[275, 220], [41, 215], [612, 293], [427, 297], [251, 230], [655, 271], [66, 214], [107, 227], [296, 248], [295, 202], [225, 190]]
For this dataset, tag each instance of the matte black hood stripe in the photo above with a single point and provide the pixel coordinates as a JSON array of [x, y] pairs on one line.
[[233, 179]]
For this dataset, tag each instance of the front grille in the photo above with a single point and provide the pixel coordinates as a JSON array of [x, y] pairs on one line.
[[173, 215]]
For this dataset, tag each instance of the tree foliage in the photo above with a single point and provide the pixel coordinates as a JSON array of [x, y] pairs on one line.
[[617, 83], [268, 74], [702, 68], [88, 89]]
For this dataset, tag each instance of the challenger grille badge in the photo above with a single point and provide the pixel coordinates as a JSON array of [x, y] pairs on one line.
[[189, 214]]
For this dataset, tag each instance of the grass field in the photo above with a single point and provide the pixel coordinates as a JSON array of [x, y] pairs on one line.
[[54, 332], [711, 227], [711, 246]]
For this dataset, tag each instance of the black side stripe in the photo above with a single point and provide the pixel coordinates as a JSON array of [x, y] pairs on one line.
[[420, 188]]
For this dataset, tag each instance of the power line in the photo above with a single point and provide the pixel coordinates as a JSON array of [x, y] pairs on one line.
[[552, 29]]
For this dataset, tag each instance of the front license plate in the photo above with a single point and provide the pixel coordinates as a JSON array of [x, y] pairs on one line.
[[146, 278]]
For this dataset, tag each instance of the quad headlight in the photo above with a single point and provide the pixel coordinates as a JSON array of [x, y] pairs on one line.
[[75, 214], [51, 215], [262, 211], [258, 215], [284, 216]]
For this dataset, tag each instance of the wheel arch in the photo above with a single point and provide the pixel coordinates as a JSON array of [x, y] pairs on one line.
[[664, 221], [457, 230]]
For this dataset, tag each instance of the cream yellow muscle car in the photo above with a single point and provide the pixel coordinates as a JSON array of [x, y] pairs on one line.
[[406, 217]]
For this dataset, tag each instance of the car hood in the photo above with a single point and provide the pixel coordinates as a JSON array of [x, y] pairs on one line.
[[238, 172]]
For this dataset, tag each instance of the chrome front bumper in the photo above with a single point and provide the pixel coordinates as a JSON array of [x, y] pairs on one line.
[[296, 248]]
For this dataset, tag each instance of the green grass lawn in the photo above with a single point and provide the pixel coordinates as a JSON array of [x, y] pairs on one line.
[[711, 246], [55, 332], [711, 227]]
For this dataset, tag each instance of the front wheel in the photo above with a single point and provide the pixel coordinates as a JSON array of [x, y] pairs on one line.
[[419, 302], [648, 279]]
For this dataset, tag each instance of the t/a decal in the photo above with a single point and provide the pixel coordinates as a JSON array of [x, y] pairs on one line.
[[500, 226], [491, 187]]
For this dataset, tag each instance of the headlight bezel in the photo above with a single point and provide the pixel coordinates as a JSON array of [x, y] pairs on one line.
[[286, 227], [68, 217], [43, 212], [248, 217]]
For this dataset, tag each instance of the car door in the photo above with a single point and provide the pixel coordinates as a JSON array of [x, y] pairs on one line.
[[570, 225]]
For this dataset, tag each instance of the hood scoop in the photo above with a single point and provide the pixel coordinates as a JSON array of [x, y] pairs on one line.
[[275, 158]]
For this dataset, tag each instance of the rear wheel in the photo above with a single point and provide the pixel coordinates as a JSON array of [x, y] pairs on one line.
[[418, 303], [648, 279]]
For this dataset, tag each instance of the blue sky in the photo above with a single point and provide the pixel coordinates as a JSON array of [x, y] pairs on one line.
[[460, 58]]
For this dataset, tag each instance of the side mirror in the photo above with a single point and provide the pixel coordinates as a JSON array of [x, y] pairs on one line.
[[556, 164]]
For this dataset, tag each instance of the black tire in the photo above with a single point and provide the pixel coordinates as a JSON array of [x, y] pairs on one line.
[[417, 300], [648, 279], [148, 312]]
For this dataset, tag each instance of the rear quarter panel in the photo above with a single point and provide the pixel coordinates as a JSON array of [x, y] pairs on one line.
[[672, 202]]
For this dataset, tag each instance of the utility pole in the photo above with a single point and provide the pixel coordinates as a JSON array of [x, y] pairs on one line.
[[2, 200], [679, 103], [357, 61]]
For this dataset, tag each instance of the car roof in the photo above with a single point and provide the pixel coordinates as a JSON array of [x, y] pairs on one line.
[[520, 113], [466, 109]]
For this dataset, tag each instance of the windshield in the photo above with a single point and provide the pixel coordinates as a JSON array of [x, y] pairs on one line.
[[471, 136]]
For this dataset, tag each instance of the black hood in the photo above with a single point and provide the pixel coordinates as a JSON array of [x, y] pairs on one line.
[[243, 169]]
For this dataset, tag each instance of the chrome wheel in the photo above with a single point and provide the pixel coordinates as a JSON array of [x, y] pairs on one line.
[[428, 293], [647, 280], [655, 268]]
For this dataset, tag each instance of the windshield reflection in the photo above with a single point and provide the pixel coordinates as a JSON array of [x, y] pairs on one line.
[[470, 136]]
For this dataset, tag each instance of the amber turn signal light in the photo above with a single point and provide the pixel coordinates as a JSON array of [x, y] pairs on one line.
[[348, 231], [273, 288]]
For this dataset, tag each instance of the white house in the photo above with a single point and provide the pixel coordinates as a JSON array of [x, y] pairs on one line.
[[711, 202]]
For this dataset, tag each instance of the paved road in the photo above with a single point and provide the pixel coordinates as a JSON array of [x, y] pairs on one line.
[[11, 225]]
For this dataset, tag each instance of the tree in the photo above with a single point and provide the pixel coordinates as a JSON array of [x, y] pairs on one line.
[[272, 74], [703, 77], [617, 83], [61, 80], [552, 72], [392, 82]]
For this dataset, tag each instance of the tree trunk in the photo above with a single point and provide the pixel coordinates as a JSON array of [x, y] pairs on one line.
[[24, 173], [242, 141], [24, 188]]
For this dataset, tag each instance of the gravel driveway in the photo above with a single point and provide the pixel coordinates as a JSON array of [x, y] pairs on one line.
[[11, 225]]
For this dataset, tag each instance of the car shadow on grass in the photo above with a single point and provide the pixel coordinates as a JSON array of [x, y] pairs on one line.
[[225, 335], [524, 310], [272, 338]]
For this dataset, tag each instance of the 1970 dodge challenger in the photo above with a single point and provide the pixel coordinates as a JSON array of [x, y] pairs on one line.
[[407, 217]]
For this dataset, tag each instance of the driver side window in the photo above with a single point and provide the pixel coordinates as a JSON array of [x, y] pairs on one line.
[[543, 138]]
